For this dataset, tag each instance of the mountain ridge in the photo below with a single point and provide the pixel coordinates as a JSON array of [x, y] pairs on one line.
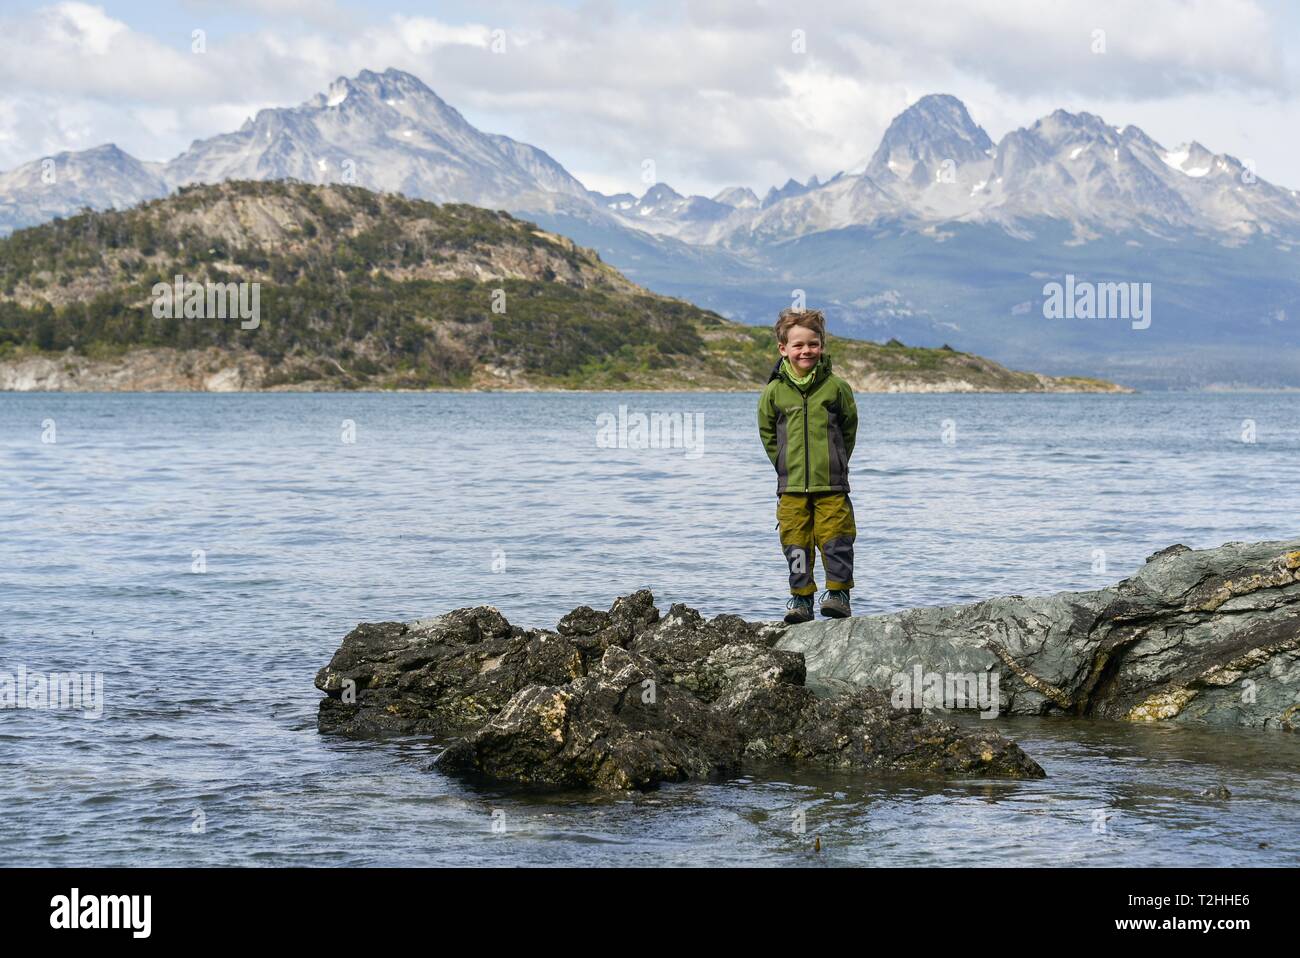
[[1066, 194], [400, 112]]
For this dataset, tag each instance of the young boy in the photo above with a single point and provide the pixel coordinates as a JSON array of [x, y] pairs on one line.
[[808, 422]]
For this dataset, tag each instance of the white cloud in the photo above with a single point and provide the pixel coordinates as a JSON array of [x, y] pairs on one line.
[[711, 91], [78, 26], [421, 35]]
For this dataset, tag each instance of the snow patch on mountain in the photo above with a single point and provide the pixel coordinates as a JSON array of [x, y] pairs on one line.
[[338, 93]]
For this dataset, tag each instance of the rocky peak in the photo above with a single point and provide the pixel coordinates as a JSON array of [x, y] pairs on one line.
[[935, 128], [659, 194], [1061, 126], [792, 188], [739, 197]]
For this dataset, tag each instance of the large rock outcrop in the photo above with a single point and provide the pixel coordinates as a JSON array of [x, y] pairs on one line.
[[1207, 636], [625, 699]]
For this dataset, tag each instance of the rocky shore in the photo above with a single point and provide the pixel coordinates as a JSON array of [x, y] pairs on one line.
[[141, 370], [625, 699], [628, 698], [1208, 637]]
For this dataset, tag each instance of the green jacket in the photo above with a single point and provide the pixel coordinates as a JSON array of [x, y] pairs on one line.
[[808, 434]]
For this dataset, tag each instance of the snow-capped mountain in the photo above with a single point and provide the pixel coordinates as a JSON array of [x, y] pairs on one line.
[[932, 135], [935, 166], [661, 205], [1105, 179], [385, 131]]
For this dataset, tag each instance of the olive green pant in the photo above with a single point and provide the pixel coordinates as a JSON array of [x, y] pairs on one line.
[[821, 520]]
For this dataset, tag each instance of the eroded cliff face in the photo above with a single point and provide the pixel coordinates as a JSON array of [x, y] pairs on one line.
[[1208, 636], [144, 370]]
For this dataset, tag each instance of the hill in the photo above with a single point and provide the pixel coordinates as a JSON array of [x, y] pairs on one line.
[[357, 289]]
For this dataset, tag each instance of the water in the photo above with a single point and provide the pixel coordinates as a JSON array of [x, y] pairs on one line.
[[207, 751]]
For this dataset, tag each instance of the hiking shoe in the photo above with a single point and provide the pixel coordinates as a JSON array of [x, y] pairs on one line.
[[801, 609], [835, 604]]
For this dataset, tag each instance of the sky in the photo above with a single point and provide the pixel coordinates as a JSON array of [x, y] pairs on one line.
[[714, 94]]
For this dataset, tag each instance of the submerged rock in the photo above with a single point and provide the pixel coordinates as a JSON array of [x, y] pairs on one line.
[[625, 699], [1208, 636]]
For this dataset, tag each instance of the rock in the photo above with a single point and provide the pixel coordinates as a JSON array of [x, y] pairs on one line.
[[618, 727], [213, 369], [1169, 551], [1216, 791], [437, 676], [625, 699], [681, 641], [1207, 636], [862, 730], [583, 621]]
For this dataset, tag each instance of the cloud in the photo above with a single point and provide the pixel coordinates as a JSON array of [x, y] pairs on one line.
[[715, 93], [77, 50]]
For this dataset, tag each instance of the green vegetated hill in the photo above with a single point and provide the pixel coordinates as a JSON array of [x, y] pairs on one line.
[[359, 289]]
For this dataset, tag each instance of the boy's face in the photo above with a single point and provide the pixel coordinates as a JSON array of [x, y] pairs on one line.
[[802, 347]]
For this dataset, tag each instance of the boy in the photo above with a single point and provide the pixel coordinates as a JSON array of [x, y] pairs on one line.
[[808, 422]]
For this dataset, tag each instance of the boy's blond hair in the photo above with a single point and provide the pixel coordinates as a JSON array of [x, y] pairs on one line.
[[809, 318]]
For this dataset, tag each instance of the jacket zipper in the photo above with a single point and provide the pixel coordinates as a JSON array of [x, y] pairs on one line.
[[805, 442]]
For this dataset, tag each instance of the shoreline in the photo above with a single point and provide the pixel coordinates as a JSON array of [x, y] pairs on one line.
[[164, 369], [46, 375], [314, 390], [276, 390], [546, 389], [212, 369]]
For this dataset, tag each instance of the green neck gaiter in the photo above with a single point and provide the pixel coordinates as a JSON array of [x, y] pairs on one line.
[[794, 377]]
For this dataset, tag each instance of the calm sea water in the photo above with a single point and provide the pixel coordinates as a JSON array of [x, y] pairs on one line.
[[207, 752]]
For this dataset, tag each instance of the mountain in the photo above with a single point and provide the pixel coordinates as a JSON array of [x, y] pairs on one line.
[[935, 167], [65, 182], [386, 131], [662, 203], [944, 236], [339, 287], [934, 131], [792, 188], [941, 235], [737, 197]]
